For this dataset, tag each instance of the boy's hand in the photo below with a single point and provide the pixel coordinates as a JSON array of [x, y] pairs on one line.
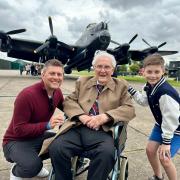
[[164, 151]]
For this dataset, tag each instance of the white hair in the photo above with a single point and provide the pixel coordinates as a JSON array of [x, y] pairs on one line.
[[100, 53]]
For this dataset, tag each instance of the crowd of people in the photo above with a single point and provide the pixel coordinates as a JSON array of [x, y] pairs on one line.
[[94, 107], [30, 69]]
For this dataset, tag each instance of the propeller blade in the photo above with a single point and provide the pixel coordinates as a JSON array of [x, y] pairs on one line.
[[162, 44], [133, 39], [40, 48], [50, 25], [115, 42], [17, 31], [146, 42]]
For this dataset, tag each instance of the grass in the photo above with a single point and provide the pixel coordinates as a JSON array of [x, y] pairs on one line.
[[142, 80], [138, 79], [82, 73]]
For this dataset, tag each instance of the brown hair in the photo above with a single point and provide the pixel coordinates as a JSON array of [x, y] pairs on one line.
[[154, 59], [53, 62]]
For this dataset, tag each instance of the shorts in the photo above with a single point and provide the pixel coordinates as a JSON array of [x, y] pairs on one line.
[[156, 136]]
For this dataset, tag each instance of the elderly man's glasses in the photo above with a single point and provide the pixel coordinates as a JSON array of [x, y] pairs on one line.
[[106, 67]]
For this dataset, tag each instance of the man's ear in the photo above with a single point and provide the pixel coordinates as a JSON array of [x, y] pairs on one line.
[[142, 70], [42, 74], [113, 71], [164, 70]]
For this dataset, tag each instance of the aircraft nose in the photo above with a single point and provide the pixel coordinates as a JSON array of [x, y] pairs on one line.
[[104, 37]]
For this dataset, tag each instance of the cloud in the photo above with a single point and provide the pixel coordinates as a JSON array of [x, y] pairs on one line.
[[126, 5], [155, 21]]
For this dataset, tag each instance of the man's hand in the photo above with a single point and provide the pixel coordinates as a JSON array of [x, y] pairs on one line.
[[56, 120], [84, 119], [164, 151], [97, 121]]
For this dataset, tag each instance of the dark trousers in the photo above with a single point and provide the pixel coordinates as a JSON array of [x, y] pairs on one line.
[[25, 155], [98, 146]]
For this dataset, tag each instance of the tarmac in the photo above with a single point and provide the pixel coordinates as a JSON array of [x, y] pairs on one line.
[[11, 83]]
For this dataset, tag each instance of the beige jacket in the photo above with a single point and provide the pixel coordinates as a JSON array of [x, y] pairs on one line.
[[113, 100]]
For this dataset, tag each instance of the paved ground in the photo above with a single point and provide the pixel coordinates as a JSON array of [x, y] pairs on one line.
[[138, 130]]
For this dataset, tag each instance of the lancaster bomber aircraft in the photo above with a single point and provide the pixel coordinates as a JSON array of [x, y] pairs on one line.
[[78, 56]]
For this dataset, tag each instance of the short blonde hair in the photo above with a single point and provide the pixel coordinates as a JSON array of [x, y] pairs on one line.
[[154, 59], [100, 53]]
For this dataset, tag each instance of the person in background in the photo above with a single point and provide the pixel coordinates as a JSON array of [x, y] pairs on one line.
[[96, 105], [32, 69], [28, 68], [32, 117], [164, 101], [21, 68]]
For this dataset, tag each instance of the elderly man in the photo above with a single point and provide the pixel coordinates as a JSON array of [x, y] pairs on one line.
[[93, 108], [32, 116]]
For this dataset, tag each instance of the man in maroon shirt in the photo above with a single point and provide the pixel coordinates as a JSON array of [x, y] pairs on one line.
[[32, 117]]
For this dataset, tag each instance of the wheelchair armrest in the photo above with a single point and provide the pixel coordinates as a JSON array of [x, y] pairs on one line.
[[117, 131], [49, 134]]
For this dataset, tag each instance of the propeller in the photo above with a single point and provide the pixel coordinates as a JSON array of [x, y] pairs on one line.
[[5, 40], [114, 42], [162, 44], [50, 25], [17, 31], [52, 41], [40, 48], [134, 37], [4, 35], [146, 42]]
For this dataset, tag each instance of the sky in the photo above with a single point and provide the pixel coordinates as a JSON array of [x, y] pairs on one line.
[[155, 21]]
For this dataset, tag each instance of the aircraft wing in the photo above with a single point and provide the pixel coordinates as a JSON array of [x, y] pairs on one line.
[[139, 55], [23, 49], [164, 53], [121, 54]]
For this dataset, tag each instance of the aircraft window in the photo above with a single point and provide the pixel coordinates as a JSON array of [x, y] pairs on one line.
[[90, 25], [101, 26]]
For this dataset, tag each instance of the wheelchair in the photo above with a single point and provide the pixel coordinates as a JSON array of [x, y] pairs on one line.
[[120, 169]]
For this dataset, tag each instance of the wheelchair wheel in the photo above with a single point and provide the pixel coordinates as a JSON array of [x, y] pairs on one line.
[[124, 169], [74, 166], [51, 175], [78, 166]]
